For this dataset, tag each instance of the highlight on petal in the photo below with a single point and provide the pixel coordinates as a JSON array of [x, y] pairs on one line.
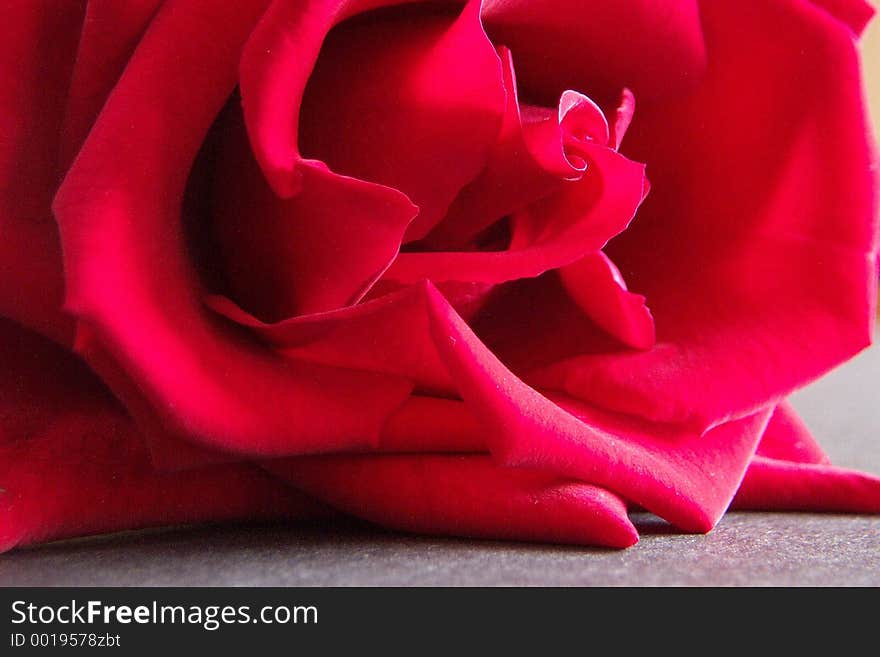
[[463, 496], [119, 213], [622, 117], [73, 464], [582, 119]]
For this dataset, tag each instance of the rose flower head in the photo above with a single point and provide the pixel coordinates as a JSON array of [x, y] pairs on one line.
[[402, 260]]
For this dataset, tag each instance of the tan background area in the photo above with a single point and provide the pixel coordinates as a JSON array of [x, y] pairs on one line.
[[871, 58]]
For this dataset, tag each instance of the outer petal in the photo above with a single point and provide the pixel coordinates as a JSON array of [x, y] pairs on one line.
[[463, 496], [171, 448], [797, 476], [110, 32], [757, 246], [775, 485], [38, 42], [119, 212], [685, 478], [421, 425], [791, 472], [787, 438], [72, 463]]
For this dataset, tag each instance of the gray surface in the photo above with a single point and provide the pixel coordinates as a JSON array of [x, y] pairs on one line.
[[843, 410], [753, 549]]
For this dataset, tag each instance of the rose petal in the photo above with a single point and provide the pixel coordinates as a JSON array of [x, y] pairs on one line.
[[548, 234], [409, 99], [854, 13], [463, 496], [791, 472], [682, 476], [280, 55], [281, 257], [119, 213], [773, 485], [422, 424], [408, 136], [170, 449], [598, 288], [757, 247], [110, 32], [685, 478], [72, 464], [526, 163], [37, 48], [771, 482], [652, 47], [280, 58], [787, 438], [389, 335], [430, 424], [623, 116], [535, 322]]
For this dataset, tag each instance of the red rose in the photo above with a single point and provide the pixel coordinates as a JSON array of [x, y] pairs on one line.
[[371, 255]]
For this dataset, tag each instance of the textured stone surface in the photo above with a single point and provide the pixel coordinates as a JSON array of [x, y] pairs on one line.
[[757, 549]]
